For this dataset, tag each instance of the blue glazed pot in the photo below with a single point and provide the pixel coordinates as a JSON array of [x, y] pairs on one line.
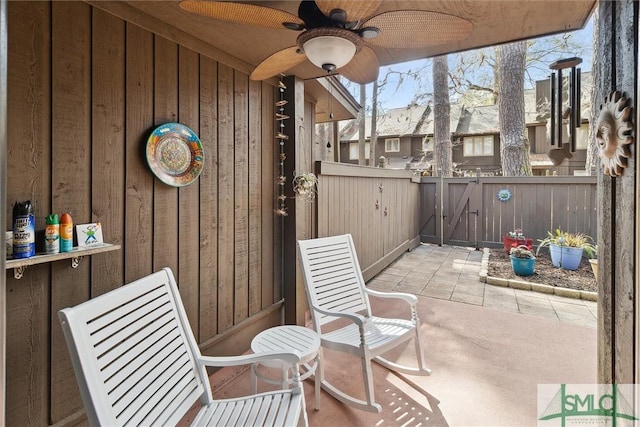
[[522, 266], [565, 257]]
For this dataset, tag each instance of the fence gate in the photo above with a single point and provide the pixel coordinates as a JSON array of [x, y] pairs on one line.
[[461, 211]]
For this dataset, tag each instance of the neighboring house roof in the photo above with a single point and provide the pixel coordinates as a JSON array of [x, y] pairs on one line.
[[540, 160], [402, 121], [482, 120], [414, 120]]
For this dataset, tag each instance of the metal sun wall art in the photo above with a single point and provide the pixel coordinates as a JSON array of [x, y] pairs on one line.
[[614, 134], [504, 195]]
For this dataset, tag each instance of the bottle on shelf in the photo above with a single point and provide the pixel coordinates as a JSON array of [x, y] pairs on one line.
[[24, 233], [52, 234], [66, 233]]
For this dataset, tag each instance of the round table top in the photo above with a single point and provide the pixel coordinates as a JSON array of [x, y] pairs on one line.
[[305, 341]]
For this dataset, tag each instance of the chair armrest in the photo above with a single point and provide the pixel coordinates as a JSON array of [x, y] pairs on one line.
[[410, 298], [246, 359], [356, 318]]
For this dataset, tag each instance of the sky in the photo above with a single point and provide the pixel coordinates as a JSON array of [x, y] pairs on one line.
[[400, 94]]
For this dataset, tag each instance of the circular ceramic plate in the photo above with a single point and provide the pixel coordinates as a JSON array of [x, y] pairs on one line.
[[175, 155]]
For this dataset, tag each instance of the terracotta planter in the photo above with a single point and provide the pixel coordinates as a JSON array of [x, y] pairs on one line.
[[511, 242]]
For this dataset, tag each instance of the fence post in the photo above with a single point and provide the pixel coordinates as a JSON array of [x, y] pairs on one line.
[[477, 212], [442, 216]]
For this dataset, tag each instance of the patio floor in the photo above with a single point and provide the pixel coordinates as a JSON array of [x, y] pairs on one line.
[[489, 347], [451, 273]]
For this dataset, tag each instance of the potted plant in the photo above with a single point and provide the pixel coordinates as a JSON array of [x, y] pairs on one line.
[[516, 238], [522, 260], [566, 248]]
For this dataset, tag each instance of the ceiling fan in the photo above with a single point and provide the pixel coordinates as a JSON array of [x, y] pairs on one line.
[[338, 35]]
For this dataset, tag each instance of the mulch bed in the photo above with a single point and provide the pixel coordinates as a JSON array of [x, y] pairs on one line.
[[544, 272]]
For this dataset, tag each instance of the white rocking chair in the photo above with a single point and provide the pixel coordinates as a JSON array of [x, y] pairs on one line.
[[138, 363], [336, 290]]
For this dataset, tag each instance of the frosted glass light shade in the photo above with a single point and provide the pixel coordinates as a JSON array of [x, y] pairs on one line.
[[328, 51]]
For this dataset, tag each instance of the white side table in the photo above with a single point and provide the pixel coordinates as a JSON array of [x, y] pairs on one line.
[[286, 338]]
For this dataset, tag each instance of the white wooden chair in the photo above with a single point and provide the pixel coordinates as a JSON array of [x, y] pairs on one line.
[[336, 292], [137, 363]]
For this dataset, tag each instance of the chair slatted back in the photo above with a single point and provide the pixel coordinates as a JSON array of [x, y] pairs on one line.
[[333, 278], [135, 351]]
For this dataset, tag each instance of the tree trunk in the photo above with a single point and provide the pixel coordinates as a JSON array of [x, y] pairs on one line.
[[442, 161], [323, 138], [373, 161], [361, 135], [514, 144], [591, 163]]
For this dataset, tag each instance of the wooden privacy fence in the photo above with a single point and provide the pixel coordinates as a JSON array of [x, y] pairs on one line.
[[468, 211], [390, 211], [378, 207]]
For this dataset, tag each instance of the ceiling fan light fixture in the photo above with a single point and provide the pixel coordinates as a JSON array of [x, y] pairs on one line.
[[329, 48], [324, 51]]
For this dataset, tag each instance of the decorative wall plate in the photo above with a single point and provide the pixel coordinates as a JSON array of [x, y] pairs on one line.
[[174, 154]]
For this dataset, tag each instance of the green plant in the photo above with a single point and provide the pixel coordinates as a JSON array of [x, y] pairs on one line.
[[522, 251], [572, 240], [516, 234], [304, 185]]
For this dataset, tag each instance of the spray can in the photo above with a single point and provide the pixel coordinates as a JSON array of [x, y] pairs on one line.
[[66, 233], [52, 234], [24, 230]]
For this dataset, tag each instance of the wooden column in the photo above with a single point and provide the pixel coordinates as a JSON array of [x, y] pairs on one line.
[[3, 196], [294, 129], [605, 257], [636, 255], [617, 204]]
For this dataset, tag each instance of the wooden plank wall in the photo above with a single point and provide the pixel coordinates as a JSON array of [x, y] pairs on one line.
[[537, 205], [378, 207], [618, 337], [85, 89]]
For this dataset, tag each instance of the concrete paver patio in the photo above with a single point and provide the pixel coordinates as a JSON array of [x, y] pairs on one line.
[[452, 273]]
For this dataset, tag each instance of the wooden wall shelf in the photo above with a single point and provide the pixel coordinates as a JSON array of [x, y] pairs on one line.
[[76, 254]]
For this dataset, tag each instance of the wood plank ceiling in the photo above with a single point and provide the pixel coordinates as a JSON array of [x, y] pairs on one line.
[[494, 22]]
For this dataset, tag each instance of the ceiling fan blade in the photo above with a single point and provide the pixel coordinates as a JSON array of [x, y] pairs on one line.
[[363, 68], [417, 28], [277, 63], [241, 13], [356, 9]]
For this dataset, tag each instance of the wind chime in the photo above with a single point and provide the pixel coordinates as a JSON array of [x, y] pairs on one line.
[[565, 109], [281, 209], [304, 183]]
